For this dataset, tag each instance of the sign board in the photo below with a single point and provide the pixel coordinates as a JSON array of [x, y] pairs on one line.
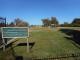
[[15, 32]]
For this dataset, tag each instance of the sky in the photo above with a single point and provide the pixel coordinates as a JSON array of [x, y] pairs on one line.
[[33, 11]]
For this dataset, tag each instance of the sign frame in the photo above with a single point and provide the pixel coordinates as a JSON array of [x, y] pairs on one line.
[[4, 44], [15, 27]]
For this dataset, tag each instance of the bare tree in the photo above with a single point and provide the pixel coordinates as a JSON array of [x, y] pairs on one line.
[[20, 23]]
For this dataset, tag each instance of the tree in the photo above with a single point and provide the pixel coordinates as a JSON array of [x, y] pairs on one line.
[[11, 24], [46, 22], [76, 22], [20, 23], [49, 22], [66, 24], [54, 21]]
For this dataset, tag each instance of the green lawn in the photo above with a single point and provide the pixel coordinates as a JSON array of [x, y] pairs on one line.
[[47, 43]]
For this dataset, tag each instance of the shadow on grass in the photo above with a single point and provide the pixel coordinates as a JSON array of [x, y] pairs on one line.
[[31, 44], [11, 48], [73, 35]]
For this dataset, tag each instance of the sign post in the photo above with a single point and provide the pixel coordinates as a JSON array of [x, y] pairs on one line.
[[15, 32], [4, 44], [27, 45]]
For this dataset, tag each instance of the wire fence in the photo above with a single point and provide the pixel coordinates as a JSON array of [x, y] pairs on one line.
[[75, 56]]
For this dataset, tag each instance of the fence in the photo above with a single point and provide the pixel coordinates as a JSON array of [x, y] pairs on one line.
[[75, 56], [67, 57]]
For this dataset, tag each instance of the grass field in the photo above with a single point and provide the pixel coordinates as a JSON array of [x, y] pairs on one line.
[[46, 43]]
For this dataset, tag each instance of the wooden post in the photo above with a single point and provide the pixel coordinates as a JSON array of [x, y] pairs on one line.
[[3, 44], [27, 45]]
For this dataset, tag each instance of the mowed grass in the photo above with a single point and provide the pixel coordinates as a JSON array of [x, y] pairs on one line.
[[47, 43]]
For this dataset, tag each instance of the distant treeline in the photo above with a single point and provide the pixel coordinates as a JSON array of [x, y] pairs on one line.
[[52, 22], [18, 23]]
